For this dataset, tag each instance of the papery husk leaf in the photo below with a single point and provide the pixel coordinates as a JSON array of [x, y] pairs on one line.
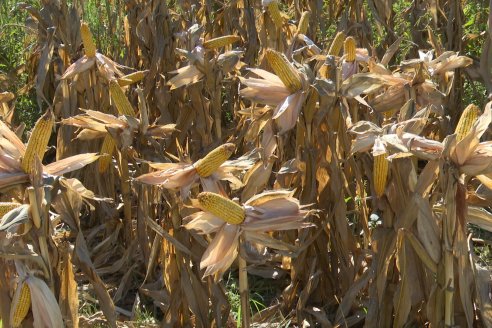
[[480, 217], [367, 83], [70, 164], [186, 75], [256, 179], [81, 65], [45, 309], [203, 222], [222, 251], [266, 196], [13, 139], [15, 217]]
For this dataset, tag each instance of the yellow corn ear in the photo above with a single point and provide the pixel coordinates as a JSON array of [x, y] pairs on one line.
[[324, 71], [210, 163], [275, 14], [131, 78], [284, 70], [222, 207], [87, 40], [349, 49], [304, 23], [21, 306], [38, 141], [221, 41], [467, 119], [6, 207], [389, 114], [119, 99], [380, 173], [337, 44], [107, 147]]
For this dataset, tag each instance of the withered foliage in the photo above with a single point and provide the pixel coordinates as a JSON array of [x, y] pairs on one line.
[[346, 174]]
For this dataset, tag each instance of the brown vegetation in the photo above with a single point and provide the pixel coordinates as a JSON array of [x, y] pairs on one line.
[[224, 136]]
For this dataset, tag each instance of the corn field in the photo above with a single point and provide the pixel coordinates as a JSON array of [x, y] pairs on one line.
[[336, 152]]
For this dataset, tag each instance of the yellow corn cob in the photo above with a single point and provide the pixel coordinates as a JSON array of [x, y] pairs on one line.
[[107, 147], [7, 207], [467, 119], [304, 22], [220, 41], [119, 99], [388, 114], [324, 71], [284, 70], [22, 306], [87, 40], [131, 78], [210, 163], [380, 173], [38, 141], [349, 49], [275, 14], [222, 207], [336, 45]]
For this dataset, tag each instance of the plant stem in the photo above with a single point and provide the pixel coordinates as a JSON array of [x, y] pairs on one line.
[[243, 289], [449, 289], [126, 194]]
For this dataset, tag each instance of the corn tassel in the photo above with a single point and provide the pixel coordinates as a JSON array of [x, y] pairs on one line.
[[7, 207], [131, 78], [222, 207], [337, 44], [210, 163], [467, 119], [380, 173], [275, 14], [21, 306], [87, 40], [349, 49], [38, 141], [221, 41], [284, 70], [107, 147], [304, 23], [119, 99]]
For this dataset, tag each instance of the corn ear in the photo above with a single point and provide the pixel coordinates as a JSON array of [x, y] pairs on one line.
[[21, 305], [87, 40], [38, 141], [349, 49], [304, 22], [131, 78], [467, 119], [107, 147], [210, 163], [222, 207], [380, 173], [275, 14], [119, 99], [221, 41], [337, 44], [324, 71], [6, 207], [284, 70], [389, 114]]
